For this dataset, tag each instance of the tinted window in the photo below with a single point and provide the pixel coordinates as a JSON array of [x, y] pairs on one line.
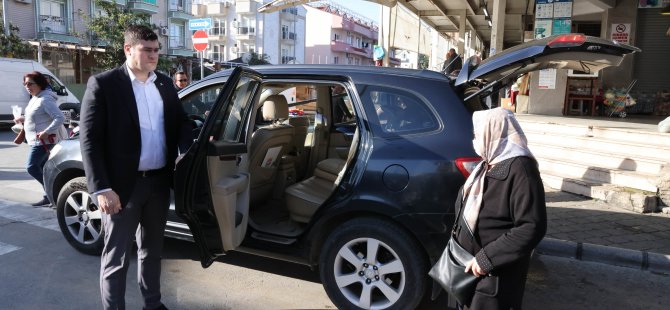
[[198, 103], [396, 111], [234, 115]]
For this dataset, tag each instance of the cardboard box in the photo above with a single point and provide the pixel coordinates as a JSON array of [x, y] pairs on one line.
[[506, 103]]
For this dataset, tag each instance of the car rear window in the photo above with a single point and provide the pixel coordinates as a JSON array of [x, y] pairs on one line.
[[397, 112]]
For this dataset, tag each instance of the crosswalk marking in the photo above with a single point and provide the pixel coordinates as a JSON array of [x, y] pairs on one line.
[[37, 216], [7, 248]]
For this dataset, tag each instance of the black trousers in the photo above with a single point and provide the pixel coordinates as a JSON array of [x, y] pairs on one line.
[[144, 218]]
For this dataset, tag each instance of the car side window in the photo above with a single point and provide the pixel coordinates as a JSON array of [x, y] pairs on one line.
[[398, 111], [234, 115], [55, 86], [198, 103]]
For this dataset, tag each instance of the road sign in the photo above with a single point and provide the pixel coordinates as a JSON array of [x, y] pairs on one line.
[[200, 40], [199, 23]]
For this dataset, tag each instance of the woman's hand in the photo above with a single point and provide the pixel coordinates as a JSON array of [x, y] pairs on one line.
[[474, 267], [42, 135], [19, 120]]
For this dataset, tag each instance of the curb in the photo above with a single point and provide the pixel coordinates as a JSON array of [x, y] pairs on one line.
[[641, 260]]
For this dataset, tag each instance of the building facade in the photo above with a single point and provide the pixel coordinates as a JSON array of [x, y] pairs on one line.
[[238, 29], [57, 30], [336, 35]]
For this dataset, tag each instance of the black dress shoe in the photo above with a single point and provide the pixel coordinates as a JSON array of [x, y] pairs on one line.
[[43, 202]]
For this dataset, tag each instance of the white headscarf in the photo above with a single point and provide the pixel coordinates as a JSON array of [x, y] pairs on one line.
[[498, 136]]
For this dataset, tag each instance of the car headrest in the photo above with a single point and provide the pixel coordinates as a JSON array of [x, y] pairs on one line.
[[275, 108]]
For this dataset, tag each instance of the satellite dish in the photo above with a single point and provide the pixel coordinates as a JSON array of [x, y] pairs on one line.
[[246, 57]]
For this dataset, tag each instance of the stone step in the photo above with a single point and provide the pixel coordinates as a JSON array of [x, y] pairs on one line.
[[599, 159], [634, 150], [598, 175], [637, 201], [614, 134]]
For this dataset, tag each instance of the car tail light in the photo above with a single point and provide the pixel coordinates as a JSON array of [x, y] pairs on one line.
[[466, 164], [568, 40]]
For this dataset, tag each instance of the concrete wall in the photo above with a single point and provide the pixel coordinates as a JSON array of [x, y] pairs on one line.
[[547, 101], [22, 15], [318, 35], [625, 12]]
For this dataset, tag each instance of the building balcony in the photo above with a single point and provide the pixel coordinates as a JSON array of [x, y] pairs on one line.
[[179, 14], [180, 51], [218, 8], [143, 6], [288, 37], [349, 25], [217, 34], [289, 14], [246, 33], [246, 7], [59, 37], [287, 59], [339, 46]]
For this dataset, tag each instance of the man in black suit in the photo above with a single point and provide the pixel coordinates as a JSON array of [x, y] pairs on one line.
[[132, 124]]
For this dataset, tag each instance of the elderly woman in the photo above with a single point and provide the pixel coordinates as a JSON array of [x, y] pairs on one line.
[[41, 123], [504, 215]]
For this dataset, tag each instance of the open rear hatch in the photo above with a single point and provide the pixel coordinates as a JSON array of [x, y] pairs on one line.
[[566, 51]]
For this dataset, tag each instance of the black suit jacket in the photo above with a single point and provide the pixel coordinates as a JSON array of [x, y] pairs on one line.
[[110, 130]]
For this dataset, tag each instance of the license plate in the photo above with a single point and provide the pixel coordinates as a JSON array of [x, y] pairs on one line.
[[67, 115]]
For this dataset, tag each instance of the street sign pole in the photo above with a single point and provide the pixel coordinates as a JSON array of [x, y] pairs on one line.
[[202, 65]]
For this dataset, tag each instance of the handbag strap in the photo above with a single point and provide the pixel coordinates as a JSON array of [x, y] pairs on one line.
[[456, 222]]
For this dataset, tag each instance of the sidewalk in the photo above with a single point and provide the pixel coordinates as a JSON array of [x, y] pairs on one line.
[[583, 228]]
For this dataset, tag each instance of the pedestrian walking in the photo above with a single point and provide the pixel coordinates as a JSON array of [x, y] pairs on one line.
[[41, 124], [504, 215], [132, 125]]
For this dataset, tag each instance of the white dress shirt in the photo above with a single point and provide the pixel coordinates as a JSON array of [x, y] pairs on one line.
[[152, 129]]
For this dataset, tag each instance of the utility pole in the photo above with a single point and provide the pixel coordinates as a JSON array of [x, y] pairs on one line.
[[5, 22]]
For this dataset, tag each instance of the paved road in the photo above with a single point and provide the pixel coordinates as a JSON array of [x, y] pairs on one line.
[[41, 271]]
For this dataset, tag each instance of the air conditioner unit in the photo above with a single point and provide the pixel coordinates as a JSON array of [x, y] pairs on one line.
[[234, 49], [234, 24], [164, 31]]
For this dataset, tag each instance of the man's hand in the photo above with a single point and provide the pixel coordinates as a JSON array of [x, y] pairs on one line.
[[474, 267], [109, 202]]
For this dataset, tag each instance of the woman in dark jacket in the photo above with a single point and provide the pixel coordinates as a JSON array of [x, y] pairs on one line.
[[504, 215]]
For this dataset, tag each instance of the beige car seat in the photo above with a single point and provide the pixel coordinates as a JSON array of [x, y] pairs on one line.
[[267, 146]]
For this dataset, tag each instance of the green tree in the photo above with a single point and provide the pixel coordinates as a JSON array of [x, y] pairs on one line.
[[107, 29], [11, 45], [258, 59]]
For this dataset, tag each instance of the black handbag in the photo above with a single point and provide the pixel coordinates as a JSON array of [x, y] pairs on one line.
[[449, 270]]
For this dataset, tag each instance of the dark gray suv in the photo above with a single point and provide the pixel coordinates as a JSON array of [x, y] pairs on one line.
[[359, 181]]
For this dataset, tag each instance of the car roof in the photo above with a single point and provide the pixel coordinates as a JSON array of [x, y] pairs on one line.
[[337, 70]]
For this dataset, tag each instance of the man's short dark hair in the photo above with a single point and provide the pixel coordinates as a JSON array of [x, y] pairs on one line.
[[181, 72], [136, 33], [452, 50]]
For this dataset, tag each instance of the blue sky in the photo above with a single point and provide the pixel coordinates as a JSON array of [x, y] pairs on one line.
[[365, 8]]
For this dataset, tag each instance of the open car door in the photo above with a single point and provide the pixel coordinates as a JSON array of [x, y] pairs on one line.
[[212, 179], [565, 51]]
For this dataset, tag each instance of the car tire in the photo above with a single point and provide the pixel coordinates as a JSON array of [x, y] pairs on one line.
[[79, 218], [395, 278]]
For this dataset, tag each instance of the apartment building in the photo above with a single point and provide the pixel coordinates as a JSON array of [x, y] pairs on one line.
[[57, 29], [337, 35], [239, 29]]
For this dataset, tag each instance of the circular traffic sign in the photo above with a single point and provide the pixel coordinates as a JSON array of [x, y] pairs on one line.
[[200, 40]]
